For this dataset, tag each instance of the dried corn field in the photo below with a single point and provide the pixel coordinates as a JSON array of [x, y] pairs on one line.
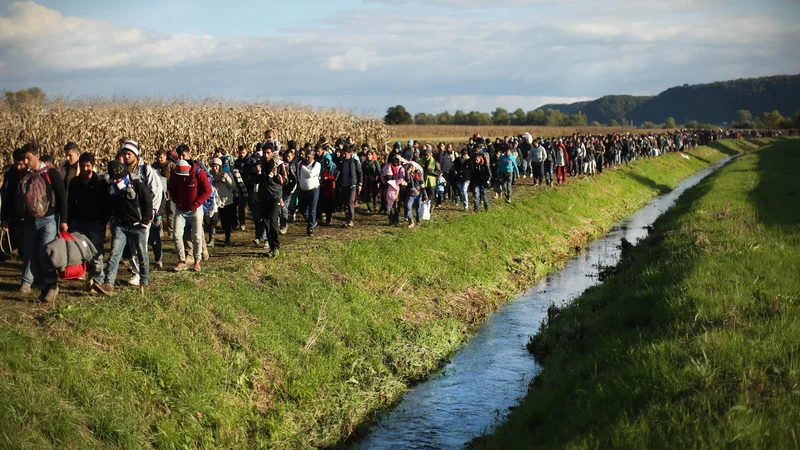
[[97, 125]]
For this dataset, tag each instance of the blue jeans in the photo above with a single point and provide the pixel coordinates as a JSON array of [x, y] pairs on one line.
[[412, 204], [480, 193], [194, 219], [96, 233], [308, 207], [463, 194], [284, 214], [38, 233], [137, 238]]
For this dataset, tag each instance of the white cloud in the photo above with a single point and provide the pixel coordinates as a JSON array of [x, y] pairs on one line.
[[426, 59], [355, 58]]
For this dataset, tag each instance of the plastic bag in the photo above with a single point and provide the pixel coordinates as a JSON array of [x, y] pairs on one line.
[[425, 210]]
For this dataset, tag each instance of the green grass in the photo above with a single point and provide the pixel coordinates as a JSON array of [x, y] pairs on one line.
[[300, 351], [695, 342]]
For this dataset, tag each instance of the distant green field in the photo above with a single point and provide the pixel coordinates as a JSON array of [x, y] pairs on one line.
[[695, 342]]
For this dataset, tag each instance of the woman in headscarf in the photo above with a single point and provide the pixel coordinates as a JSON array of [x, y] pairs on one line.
[[392, 176], [328, 187]]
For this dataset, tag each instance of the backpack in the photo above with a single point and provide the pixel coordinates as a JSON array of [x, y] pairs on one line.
[[32, 198]]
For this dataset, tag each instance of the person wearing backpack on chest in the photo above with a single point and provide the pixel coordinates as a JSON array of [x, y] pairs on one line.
[[42, 202], [88, 211], [189, 189], [137, 168], [131, 205]]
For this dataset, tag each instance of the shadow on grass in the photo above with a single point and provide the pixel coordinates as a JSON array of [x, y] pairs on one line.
[[660, 188], [716, 145], [778, 184]]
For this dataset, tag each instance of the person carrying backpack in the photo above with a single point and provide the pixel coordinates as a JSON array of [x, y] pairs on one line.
[[42, 202], [131, 205], [189, 189]]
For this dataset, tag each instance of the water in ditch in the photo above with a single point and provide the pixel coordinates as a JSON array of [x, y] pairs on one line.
[[475, 390]]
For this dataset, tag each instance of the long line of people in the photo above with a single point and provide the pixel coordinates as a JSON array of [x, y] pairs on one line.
[[181, 196]]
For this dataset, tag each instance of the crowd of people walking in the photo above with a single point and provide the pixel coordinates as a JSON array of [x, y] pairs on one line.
[[190, 198]]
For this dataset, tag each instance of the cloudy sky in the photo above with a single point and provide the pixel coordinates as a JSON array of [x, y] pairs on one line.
[[431, 55]]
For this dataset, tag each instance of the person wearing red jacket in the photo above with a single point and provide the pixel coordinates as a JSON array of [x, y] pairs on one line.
[[188, 189]]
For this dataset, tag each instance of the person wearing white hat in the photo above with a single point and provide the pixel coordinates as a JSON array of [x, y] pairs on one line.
[[137, 169]]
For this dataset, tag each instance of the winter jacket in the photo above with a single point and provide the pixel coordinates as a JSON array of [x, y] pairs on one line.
[[88, 200], [224, 187], [447, 160], [152, 180], [506, 165], [392, 176], [189, 192], [270, 186], [353, 166], [462, 168], [62, 253], [481, 176], [133, 205], [11, 180], [537, 155]]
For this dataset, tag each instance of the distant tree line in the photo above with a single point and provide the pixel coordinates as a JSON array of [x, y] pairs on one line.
[[768, 120], [397, 115]]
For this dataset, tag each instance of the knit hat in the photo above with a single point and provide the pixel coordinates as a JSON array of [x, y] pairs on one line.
[[117, 170], [216, 162], [132, 146], [183, 168]]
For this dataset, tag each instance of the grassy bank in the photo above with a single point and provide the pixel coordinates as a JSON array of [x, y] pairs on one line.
[[695, 342], [299, 351]]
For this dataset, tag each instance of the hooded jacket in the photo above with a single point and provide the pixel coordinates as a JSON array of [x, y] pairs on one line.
[[189, 192]]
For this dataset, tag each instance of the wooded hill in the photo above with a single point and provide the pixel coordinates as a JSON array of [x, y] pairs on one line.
[[714, 103]]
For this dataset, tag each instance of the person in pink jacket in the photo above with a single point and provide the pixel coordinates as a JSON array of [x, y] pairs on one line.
[[393, 175]]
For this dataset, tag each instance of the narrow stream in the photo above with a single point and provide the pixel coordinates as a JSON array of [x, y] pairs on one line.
[[475, 390]]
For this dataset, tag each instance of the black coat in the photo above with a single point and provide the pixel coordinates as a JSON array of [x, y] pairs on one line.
[[88, 202], [132, 206]]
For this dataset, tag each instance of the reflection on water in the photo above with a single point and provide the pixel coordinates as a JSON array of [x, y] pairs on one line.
[[476, 388]]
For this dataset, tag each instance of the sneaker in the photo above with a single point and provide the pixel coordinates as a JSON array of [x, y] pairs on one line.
[[241, 228], [134, 281], [283, 230], [89, 285], [350, 224], [210, 244], [159, 265], [310, 233], [275, 253], [49, 295], [256, 242], [105, 288], [411, 225], [181, 266], [266, 245], [205, 255], [197, 267], [25, 289]]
